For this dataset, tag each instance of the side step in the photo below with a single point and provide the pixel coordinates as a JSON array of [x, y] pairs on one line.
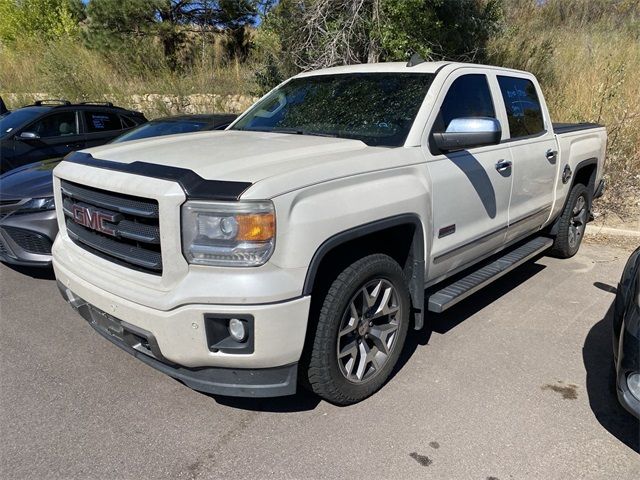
[[461, 289]]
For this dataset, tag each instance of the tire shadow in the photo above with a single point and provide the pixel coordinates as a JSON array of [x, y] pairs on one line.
[[597, 355], [40, 273], [441, 323], [302, 401]]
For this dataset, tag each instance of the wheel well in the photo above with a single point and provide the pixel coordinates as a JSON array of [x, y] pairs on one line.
[[586, 175], [401, 238]]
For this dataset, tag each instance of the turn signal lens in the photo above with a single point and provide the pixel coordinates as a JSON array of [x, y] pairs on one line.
[[256, 228]]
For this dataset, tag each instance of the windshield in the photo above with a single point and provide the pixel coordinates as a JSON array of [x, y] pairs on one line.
[[16, 119], [377, 108], [159, 128]]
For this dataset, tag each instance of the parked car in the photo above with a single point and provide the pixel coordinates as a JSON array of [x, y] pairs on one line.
[[3, 108], [28, 222], [298, 243], [52, 128], [626, 336], [178, 124]]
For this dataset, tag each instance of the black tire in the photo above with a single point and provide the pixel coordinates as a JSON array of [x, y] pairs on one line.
[[326, 375], [569, 238]]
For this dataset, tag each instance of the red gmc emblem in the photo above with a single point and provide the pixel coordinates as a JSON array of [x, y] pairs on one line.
[[95, 219]]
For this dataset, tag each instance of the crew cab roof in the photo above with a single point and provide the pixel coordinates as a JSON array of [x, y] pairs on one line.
[[399, 67]]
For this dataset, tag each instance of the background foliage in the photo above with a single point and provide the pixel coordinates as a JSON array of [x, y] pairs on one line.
[[586, 53]]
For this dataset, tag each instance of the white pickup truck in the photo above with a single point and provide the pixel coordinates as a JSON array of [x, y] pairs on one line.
[[343, 208]]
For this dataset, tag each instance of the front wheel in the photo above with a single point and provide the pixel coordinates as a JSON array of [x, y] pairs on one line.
[[361, 329], [572, 222]]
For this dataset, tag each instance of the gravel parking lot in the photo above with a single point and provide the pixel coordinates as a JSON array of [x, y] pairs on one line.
[[512, 383]]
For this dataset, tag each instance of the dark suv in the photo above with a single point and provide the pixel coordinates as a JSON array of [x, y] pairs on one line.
[[53, 128]]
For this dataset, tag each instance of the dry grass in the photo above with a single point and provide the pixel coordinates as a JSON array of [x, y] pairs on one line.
[[585, 54], [67, 69], [589, 68]]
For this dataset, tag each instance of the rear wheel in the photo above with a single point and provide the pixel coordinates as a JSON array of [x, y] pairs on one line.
[[361, 328], [572, 222]]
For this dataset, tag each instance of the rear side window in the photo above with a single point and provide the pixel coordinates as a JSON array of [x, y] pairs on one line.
[[101, 121], [468, 96], [523, 106]]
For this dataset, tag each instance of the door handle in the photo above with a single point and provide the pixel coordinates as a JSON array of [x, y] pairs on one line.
[[551, 155], [503, 165]]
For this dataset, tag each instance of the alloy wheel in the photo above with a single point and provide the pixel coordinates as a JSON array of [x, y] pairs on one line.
[[368, 331]]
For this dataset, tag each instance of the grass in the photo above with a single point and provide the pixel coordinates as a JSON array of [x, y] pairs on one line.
[[585, 54], [66, 69]]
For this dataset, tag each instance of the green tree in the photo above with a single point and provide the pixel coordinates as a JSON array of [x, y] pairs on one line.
[[439, 29], [320, 33], [114, 24], [42, 19]]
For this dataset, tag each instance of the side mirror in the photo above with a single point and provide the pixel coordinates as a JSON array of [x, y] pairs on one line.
[[465, 133], [28, 136]]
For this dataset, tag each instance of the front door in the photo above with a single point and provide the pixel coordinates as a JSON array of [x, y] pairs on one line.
[[471, 188], [55, 135]]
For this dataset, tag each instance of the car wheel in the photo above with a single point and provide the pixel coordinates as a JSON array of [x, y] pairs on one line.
[[572, 222], [361, 328]]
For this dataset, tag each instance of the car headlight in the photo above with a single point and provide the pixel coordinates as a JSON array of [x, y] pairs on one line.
[[236, 234], [633, 382], [36, 205]]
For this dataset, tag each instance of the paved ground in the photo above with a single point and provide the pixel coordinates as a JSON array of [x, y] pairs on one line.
[[513, 383]]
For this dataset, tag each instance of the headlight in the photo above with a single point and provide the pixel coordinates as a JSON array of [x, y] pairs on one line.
[[238, 234], [37, 205], [633, 382]]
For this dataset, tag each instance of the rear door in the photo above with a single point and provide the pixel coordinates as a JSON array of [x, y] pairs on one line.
[[534, 150], [101, 126], [58, 133], [470, 197]]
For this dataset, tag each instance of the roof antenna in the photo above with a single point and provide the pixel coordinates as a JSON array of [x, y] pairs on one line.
[[415, 59]]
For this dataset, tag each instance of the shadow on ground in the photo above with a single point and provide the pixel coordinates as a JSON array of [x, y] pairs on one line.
[[597, 355], [41, 273], [438, 323], [444, 322]]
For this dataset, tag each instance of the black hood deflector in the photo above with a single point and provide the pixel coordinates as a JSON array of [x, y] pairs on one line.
[[195, 187]]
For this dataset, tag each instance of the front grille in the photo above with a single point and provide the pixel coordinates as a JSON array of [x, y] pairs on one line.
[[131, 234], [29, 241], [4, 250]]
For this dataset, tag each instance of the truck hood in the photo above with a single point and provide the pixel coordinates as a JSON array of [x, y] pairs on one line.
[[233, 155]]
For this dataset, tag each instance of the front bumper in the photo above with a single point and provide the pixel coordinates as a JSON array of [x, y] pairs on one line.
[[175, 341], [27, 239], [264, 382], [628, 362]]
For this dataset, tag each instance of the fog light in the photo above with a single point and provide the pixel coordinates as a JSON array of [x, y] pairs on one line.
[[633, 382], [237, 330]]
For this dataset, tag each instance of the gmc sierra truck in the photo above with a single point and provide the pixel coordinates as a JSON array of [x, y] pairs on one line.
[[299, 245]]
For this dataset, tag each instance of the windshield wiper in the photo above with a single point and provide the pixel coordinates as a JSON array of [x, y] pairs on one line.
[[295, 131], [299, 131]]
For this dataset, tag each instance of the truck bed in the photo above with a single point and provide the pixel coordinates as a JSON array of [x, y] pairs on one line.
[[560, 128]]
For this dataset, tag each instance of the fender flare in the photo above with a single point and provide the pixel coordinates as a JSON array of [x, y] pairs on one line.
[[415, 268], [574, 174]]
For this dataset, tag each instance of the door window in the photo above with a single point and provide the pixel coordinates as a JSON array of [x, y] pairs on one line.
[[101, 121], [56, 125], [468, 96], [523, 106]]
